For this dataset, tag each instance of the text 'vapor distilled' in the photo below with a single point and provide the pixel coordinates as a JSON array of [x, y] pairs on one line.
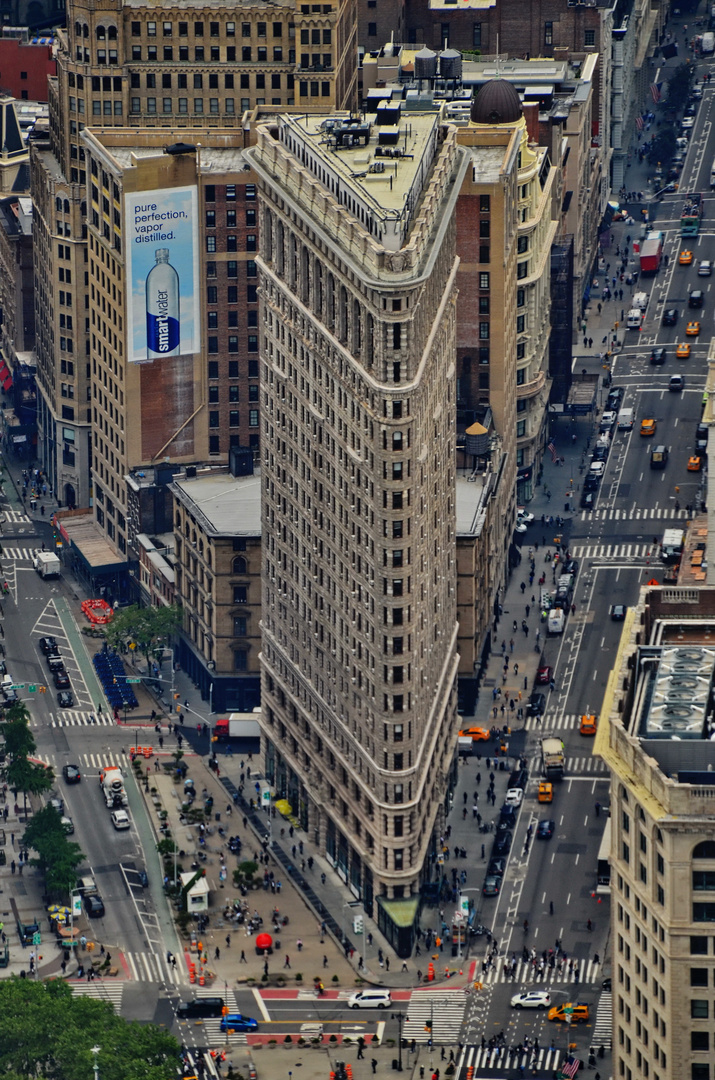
[[162, 308]]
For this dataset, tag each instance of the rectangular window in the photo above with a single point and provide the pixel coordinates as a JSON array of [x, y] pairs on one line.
[[703, 912], [484, 280], [484, 253], [483, 330], [699, 946], [522, 270], [703, 879], [484, 228], [699, 1009], [698, 976], [477, 35], [484, 204], [548, 33], [589, 38]]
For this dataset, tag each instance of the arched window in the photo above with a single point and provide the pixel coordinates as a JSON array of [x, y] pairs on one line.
[[397, 440], [58, 204], [101, 33], [66, 206], [343, 315], [267, 236], [85, 30], [357, 327], [78, 29], [240, 565], [706, 850], [331, 300], [280, 249], [624, 794], [112, 33], [304, 275], [318, 290], [369, 340]]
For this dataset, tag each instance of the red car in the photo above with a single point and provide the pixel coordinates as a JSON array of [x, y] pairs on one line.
[[544, 675]]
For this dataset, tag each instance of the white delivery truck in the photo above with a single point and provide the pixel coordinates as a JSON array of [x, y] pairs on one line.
[[633, 318], [556, 620], [625, 420], [47, 564], [640, 300]]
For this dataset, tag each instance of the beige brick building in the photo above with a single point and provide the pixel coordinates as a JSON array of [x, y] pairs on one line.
[[358, 274], [181, 69], [656, 737]]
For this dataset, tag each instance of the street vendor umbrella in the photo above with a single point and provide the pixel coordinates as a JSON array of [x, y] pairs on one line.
[[264, 941], [58, 909], [284, 807]]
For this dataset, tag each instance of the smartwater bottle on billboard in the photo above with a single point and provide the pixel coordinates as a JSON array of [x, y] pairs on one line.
[[162, 308]]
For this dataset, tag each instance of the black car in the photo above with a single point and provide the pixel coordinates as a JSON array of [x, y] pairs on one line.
[[507, 816], [502, 843], [55, 662], [696, 298], [48, 645], [519, 778], [536, 705], [670, 316], [545, 830], [615, 397], [701, 437], [71, 774], [65, 699], [61, 680], [496, 868], [618, 612], [94, 906], [657, 356], [10, 695], [570, 567], [588, 500], [600, 453], [591, 482], [492, 885]]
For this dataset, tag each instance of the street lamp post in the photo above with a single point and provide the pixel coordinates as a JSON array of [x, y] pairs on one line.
[[399, 1016]]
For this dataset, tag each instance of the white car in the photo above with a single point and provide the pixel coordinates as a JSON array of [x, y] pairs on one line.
[[607, 421], [598, 468], [514, 796], [531, 999], [705, 268], [120, 819], [520, 526], [687, 122], [524, 515]]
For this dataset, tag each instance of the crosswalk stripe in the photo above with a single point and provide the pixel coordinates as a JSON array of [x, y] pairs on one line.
[[150, 967], [19, 554], [444, 1008], [565, 722], [587, 763], [603, 1028], [81, 718], [586, 970], [640, 513], [505, 1058], [17, 517], [611, 551], [102, 989]]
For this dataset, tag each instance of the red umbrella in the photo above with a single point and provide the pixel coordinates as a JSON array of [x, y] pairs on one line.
[[264, 941]]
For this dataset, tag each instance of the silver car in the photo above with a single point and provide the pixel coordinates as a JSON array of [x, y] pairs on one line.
[[705, 268]]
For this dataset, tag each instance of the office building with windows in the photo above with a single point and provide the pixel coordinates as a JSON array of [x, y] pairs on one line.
[[656, 736], [179, 69], [358, 271]]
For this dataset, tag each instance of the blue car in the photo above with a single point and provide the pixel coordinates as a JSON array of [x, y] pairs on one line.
[[236, 1022]]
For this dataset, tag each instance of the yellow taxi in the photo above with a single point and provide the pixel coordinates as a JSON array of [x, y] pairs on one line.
[[686, 257], [546, 791], [648, 427], [692, 329], [694, 464], [478, 734], [588, 724], [577, 1011], [683, 351]]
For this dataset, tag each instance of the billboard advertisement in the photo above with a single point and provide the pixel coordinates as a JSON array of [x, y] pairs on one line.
[[162, 251]]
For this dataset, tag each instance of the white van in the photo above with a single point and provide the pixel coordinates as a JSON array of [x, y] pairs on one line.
[[625, 420], [640, 300], [633, 319], [556, 621], [370, 999]]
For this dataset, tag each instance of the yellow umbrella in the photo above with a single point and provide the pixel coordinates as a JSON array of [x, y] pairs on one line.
[[284, 807]]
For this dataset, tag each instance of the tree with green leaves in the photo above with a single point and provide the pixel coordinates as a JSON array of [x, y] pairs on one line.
[[149, 629], [57, 856], [46, 1031], [19, 740], [679, 86], [662, 148], [29, 777]]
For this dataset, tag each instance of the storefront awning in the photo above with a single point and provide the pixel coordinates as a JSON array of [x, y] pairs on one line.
[[7, 382]]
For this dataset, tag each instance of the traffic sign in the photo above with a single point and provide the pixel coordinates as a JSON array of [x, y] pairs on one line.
[[32, 687], [37, 939], [133, 680], [17, 686]]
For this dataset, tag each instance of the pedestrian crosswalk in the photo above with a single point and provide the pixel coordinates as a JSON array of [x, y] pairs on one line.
[[603, 1028], [16, 517], [81, 718], [106, 989], [639, 513], [151, 967], [86, 762], [444, 1009], [565, 722], [19, 554], [574, 766], [211, 1027], [576, 971], [508, 1058], [612, 551]]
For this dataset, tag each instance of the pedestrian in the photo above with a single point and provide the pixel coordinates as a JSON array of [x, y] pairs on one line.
[[483, 854], [287, 961], [598, 809], [374, 1065], [217, 953], [12, 866], [404, 965], [325, 961], [243, 958]]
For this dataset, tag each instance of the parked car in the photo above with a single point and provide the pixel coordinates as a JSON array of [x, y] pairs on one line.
[[502, 843], [536, 705], [544, 674], [491, 886], [94, 906], [48, 645], [65, 699], [61, 680]]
